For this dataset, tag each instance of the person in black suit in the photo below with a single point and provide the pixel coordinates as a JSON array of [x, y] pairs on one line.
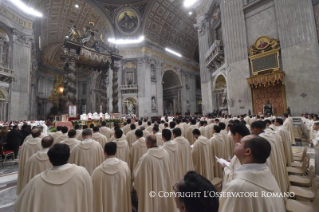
[[13, 140]]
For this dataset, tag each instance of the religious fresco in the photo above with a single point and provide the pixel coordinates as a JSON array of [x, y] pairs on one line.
[[127, 21], [262, 42]]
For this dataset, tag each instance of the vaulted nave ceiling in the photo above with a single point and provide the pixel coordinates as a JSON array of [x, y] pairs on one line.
[[163, 22]]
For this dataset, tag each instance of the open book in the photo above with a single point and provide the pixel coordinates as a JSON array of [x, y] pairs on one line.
[[222, 161]]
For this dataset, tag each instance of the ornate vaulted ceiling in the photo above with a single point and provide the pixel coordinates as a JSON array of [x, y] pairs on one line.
[[164, 22]]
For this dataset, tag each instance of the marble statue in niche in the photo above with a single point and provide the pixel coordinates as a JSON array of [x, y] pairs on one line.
[[224, 98], [153, 72], [154, 107], [188, 106], [169, 108], [186, 81], [129, 73], [129, 78], [268, 108], [130, 108]]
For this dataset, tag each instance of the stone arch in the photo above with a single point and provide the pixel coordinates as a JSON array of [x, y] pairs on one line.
[[172, 92], [220, 94], [130, 97], [170, 79], [220, 82]]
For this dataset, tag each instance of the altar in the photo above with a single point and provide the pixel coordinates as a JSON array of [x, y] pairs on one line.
[[67, 124]]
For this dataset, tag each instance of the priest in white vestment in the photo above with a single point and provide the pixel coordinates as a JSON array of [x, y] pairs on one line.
[[107, 132], [149, 127], [123, 150], [97, 136], [154, 173], [29, 147], [79, 136], [38, 162], [88, 153], [77, 129], [57, 133], [30, 136], [315, 142], [288, 124], [253, 176], [228, 150], [202, 128], [285, 136], [138, 149], [145, 132], [217, 150], [126, 128], [189, 133], [237, 132], [275, 161], [71, 141], [112, 183], [202, 156], [184, 153], [180, 126], [158, 135], [63, 136], [171, 147], [130, 136], [65, 187]]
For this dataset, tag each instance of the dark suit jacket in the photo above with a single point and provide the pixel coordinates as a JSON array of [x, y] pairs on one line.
[[13, 139]]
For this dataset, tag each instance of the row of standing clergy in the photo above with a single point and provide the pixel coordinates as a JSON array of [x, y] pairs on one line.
[[87, 154]]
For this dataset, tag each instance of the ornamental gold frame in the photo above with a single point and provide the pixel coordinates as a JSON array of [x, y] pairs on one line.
[[252, 58]]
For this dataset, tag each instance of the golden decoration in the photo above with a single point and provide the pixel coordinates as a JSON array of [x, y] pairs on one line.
[[2, 96], [220, 83], [129, 65], [266, 80], [267, 45], [55, 94], [263, 48]]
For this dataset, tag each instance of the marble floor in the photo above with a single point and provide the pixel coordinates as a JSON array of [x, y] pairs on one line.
[[9, 175], [8, 183]]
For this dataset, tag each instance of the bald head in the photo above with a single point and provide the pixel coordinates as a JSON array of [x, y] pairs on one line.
[[151, 141], [36, 132], [47, 142]]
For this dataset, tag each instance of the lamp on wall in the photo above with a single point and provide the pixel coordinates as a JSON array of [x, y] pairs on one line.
[[60, 89]]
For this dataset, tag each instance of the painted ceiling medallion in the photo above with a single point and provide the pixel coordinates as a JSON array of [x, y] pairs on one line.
[[127, 21]]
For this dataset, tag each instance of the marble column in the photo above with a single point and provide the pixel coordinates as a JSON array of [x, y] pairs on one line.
[[115, 68], [20, 86], [103, 91], [236, 55], [299, 52], [203, 41]]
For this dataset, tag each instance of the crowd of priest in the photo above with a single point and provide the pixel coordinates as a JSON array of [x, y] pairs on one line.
[[242, 164]]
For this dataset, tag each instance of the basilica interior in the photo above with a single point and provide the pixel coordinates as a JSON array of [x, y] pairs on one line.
[[203, 67], [157, 57]]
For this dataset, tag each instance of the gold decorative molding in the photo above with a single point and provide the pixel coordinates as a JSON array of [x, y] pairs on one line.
[[14, 17], [266, 80], [155, 53], [55, 95], [264, 55]]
